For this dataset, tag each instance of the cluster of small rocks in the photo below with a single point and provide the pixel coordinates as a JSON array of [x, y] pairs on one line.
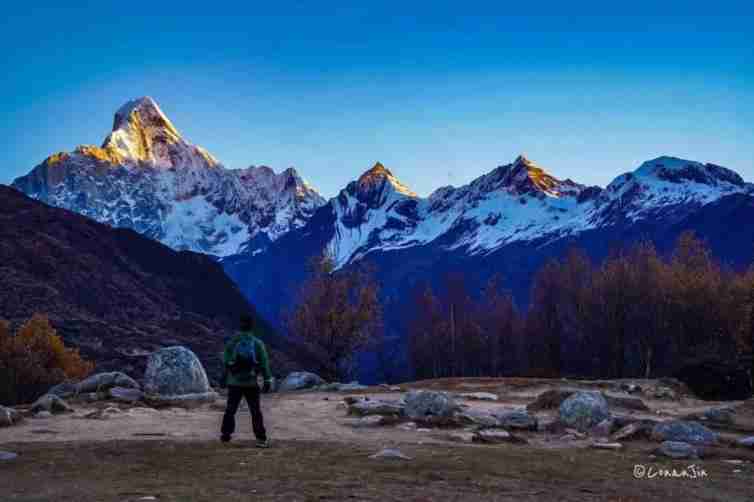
[[583, 416], [174, 377], [305, 380]]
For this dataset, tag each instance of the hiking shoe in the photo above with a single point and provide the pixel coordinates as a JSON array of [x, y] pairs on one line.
[[225, 438], [263, 443]]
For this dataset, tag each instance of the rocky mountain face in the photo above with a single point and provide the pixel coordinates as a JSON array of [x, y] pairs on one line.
[[146, 177], [113, 293]]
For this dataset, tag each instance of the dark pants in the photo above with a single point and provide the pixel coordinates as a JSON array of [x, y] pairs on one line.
[[252, 399]]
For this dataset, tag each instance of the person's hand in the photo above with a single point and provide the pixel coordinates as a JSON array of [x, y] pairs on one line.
[[266, 388]]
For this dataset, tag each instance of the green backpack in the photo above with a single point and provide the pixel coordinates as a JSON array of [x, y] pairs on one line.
[[245, 362]]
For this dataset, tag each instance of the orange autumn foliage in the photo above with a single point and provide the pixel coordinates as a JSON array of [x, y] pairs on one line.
[[35, 359]]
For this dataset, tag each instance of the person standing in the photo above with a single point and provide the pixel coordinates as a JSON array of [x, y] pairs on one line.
[[245, 357]]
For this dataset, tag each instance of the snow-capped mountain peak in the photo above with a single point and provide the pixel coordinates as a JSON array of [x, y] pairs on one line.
[[517, 202], [147, 177], [525, 177], [675, 170], [668, 185], [142, 134], [377, 178]]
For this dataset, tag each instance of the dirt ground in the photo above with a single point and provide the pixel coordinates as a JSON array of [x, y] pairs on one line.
[[174, 455]]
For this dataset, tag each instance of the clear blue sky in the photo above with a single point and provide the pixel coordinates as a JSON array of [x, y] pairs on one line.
[[440, 91]]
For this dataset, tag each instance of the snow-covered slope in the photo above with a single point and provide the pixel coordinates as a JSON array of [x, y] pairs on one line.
[[146, 177], [517, 202], [667, 188]]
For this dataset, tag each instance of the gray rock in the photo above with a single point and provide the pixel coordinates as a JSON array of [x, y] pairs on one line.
[[299, 380], [635, 430], [746, 442], [584, 410], [328, 387], [51, 403], [575, 433], [126, 395], [101, 382], [350, 387], [480, 396], [677, 450], [92, 397], [685, 432], [472, 416], [370, 421], [390, 453], [9, 416], [43, 414], [422, 404], [720, 415], [517, 419], [364, 407], [64, 390], [492, 436], [7, 455], [603, 429], [175, 376]]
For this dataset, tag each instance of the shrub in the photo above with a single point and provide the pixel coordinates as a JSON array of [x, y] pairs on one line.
[[35, 359]]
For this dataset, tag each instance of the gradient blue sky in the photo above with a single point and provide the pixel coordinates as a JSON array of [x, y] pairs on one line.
[[440, 92]]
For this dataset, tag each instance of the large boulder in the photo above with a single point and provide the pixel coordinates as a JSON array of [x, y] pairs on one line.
[[175, 376], [685, 432], [299, 380], [50, 403], [9, 416], [584, 410], [423, 404]]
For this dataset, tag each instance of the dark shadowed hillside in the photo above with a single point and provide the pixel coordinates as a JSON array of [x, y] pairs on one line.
[[113, 293]]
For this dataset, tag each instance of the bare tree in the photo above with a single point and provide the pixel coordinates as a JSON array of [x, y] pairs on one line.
[[337, 316]]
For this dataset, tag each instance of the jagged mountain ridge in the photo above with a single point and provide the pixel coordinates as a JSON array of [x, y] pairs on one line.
[[517, 202], [146, 177]]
